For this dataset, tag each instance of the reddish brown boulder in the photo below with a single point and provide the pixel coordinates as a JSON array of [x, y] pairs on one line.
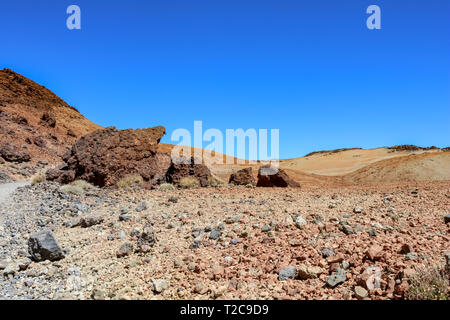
[[182, 167], [105, 156], [274, 177], [11, 153], [61, 175], [243, 177]]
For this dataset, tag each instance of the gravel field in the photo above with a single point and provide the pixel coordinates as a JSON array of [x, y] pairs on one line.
[[225, 242]]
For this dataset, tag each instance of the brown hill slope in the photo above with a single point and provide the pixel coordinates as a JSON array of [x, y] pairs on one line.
[[415, 167], [35, 120]]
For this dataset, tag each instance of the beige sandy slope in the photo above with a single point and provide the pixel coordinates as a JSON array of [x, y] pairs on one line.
[[343, 167], [344, 162], [420, 167]]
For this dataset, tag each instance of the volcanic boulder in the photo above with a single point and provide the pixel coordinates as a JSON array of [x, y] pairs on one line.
[[185, 167], [61, 175], [243, 177], [43, 246], [274, 177], [11, 153], [105, 156]]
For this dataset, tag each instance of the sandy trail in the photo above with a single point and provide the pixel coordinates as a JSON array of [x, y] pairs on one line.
[[8, 188]]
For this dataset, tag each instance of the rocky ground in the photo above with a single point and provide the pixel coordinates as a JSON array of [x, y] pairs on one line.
[[224, 242]]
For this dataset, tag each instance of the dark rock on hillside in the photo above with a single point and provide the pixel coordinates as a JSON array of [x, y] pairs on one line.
[[274, 177], [11, 153], [243, 177], [48, 120], [39, 141], [410, 147]]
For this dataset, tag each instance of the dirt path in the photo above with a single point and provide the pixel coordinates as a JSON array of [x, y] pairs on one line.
[[8, 188]]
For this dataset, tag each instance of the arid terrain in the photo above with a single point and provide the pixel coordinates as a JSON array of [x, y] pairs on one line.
[[109, 215]]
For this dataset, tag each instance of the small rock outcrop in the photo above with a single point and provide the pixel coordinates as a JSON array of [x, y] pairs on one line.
[[243, 177], [43, 246], [48, 120], [11, 153], [182, 168], [274, 177], [61, 175]]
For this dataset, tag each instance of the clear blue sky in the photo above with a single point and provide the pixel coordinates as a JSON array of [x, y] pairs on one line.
[[309, 68]]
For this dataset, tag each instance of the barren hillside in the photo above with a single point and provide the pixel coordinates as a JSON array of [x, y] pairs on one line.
[[415, 167], [341, 162], [347, 166], [35, 120]]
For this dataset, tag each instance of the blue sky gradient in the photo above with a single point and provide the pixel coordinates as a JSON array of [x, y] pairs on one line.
[[309, 68]]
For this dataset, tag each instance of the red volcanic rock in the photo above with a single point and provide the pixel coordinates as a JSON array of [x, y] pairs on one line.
[[182, 167], [61, 175], [243, 177], [105, 156], [274, 177], [11, 153], [374, 252]]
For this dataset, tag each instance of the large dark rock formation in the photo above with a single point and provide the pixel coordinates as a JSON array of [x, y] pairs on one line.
[[105, 156], [11, 153], [274, 177], [43, 246]]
